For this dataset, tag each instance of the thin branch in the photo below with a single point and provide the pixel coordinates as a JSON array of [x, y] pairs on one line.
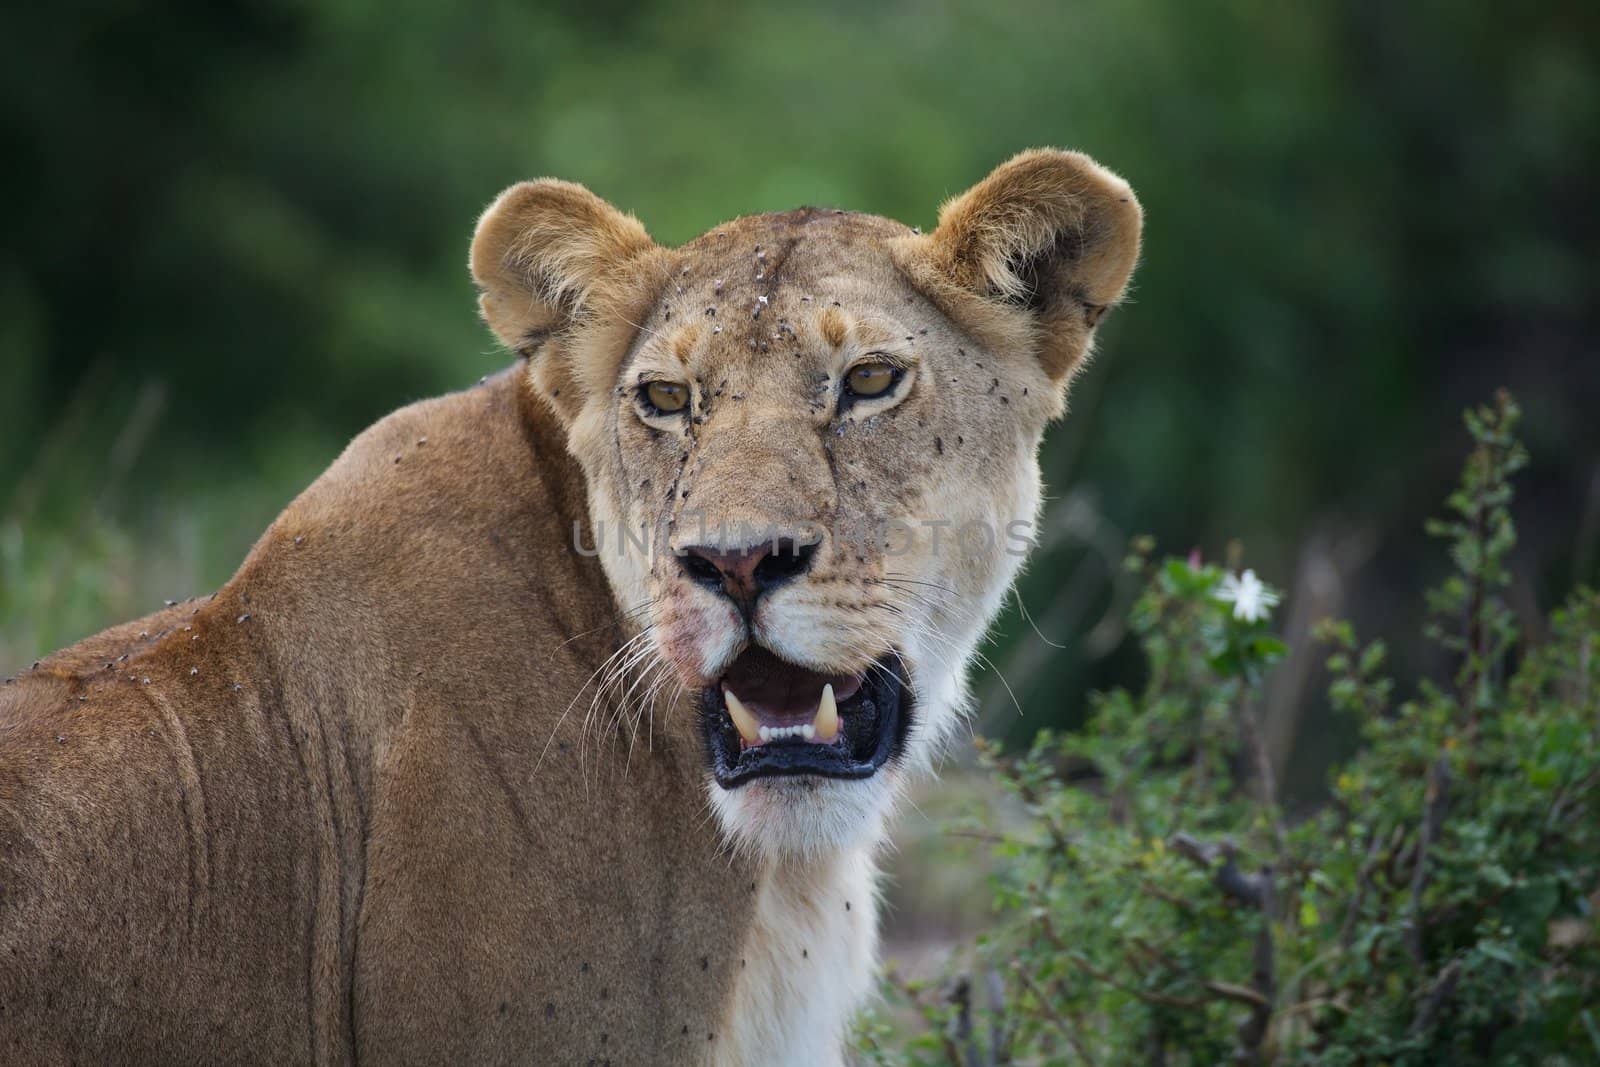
[[1437, 801], [1266, 778], [1149, 888], [1240, 993], [1444, 988], [1255, 1027], [1226, 876], [959, 997], [1068, 1033], [1253, 891], [1030, 796], [1313, 1004], [893, 978], [1000, 1032], [1160, 999], [1369, 866]]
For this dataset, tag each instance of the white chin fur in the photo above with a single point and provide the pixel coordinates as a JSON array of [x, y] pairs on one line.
[[805, 817]]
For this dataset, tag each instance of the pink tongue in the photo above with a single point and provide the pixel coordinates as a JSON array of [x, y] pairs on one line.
[[782, 694]]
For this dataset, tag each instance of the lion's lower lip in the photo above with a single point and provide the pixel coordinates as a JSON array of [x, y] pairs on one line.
[[872, 728]]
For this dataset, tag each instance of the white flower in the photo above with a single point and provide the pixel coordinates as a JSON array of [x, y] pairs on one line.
[[1252, 600]]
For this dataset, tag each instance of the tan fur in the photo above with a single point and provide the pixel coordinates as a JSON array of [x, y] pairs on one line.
[[366, 803], [834, 327]]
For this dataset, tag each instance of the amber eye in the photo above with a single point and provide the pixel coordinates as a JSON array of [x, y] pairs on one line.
[[668, 398], [871, 379]]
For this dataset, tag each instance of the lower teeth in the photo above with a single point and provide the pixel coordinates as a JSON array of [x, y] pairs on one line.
[[780, 733]]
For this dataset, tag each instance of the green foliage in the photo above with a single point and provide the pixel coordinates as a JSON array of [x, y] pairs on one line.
[[1159, 906]]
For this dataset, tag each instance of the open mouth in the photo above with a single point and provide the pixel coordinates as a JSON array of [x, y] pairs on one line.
[[767, 717]]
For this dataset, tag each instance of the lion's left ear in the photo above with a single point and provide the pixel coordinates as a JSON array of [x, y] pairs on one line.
[[1033, 255], [563, 275]]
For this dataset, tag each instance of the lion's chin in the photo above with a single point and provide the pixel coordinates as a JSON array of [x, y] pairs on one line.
[[798, 817]]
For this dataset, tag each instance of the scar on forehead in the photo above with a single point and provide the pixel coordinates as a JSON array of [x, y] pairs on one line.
[[684, 342]]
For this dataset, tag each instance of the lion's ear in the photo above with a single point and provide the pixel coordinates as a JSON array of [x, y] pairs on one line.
[[557, 268], [1033, 254]]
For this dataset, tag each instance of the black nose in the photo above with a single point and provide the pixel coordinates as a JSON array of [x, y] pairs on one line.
[[745, 573]]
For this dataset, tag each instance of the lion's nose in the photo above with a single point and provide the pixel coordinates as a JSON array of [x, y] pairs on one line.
[[743, 574]]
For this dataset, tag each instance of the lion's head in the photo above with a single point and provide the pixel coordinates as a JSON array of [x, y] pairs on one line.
[[810, 446]]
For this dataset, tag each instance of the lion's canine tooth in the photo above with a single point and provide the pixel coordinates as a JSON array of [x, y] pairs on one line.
[[743, 721], [826, 723]]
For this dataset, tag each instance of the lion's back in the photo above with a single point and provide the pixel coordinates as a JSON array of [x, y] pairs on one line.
[[130, 816]]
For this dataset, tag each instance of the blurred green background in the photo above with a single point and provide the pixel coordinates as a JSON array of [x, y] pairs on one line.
[[238, 235]]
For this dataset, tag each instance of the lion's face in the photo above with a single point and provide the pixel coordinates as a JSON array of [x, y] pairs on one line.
[[809, 441]]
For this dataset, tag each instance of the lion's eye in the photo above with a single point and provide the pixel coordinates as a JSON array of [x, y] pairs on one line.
[[871, 379], [668, 398]]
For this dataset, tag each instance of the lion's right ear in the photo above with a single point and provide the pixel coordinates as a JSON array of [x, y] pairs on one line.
[[1032, 256], [563, 275]]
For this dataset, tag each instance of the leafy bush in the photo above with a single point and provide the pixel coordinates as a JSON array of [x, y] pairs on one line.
[[1158, 906]]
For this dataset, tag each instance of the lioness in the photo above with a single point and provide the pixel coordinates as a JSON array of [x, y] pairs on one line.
[[559, 720]]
